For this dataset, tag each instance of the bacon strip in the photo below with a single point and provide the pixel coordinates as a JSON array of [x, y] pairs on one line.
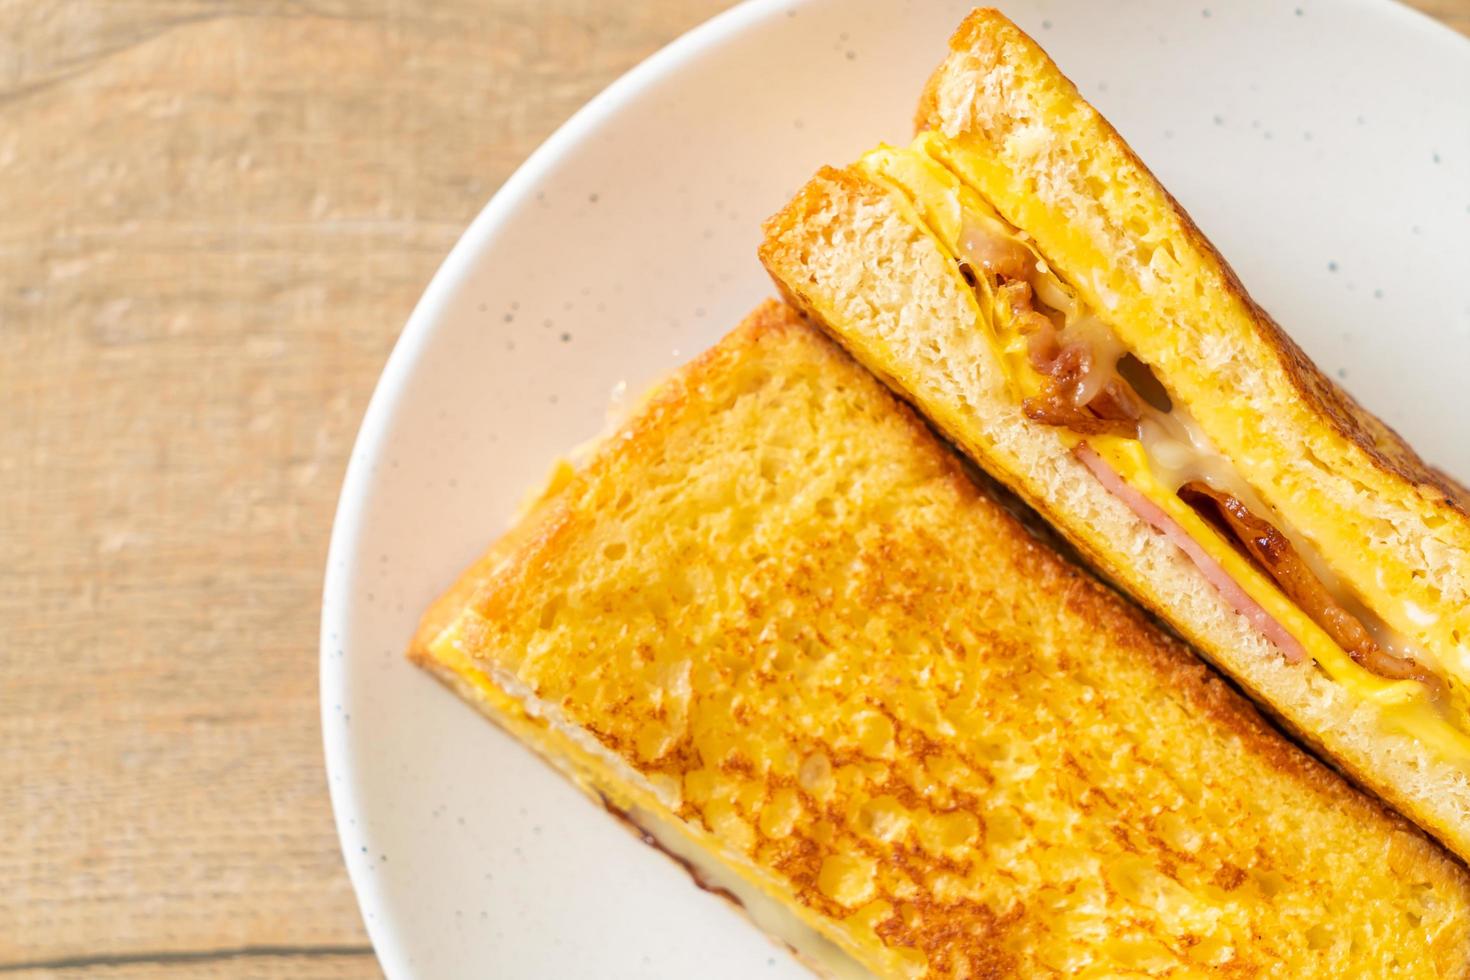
[[1211, 569], [998, 254], [1110, 408], [1274, 552], [1053, 408], [1117, 401]]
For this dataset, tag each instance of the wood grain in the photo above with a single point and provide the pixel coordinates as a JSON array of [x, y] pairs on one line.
[[214, 219], [1451, 13]]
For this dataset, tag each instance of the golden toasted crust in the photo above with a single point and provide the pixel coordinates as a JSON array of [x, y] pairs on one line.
[[1393, 527], [448, 606], [776, 610]]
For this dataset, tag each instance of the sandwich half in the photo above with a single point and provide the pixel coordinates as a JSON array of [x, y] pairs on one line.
[[774, 623], [1019, 275]]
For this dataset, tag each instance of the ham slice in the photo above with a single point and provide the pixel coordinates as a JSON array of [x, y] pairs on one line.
[[1212, 570]]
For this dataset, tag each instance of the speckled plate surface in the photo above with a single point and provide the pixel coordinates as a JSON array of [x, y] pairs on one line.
[[1323, 146]]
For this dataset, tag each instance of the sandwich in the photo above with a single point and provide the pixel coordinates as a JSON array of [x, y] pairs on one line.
[[1022, 278], [774, 624]]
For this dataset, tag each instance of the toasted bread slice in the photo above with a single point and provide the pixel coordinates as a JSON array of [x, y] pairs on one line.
[[774, 622], [876, 254]]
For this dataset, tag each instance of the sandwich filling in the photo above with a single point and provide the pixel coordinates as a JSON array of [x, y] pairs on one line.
[[1067, 369]]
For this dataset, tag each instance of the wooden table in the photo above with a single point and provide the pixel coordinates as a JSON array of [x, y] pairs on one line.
[[215, 216]]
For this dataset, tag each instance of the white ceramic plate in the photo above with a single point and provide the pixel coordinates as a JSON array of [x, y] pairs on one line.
[[1323, 146]]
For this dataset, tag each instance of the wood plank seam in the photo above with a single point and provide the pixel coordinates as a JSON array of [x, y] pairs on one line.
[[177, 957]]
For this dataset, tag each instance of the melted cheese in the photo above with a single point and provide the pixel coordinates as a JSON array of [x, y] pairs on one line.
[[1172, 450]]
